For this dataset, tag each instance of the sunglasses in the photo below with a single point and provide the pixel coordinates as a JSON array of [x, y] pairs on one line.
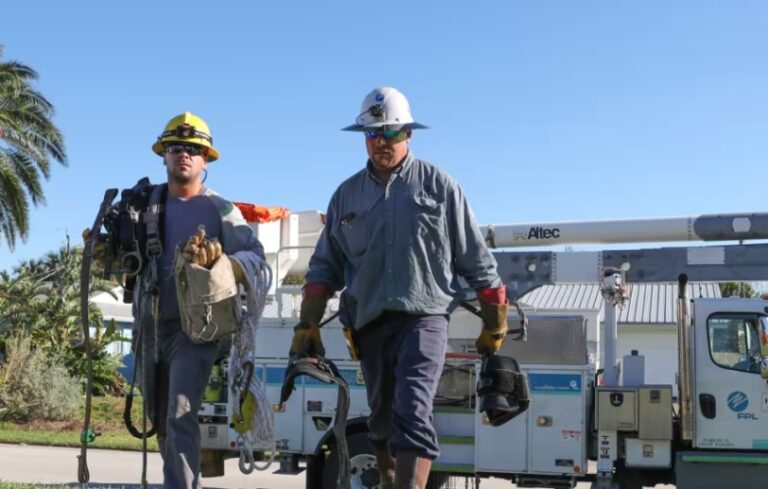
[[392, 135], [190, 149]]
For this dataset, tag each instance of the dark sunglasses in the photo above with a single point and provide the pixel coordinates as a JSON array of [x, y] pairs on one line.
[[392, 135], [190, 149]]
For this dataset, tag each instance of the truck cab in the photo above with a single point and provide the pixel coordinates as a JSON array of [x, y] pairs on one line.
[[730, 396]]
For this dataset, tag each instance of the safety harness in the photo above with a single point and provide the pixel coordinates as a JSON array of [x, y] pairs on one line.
[[502, 389], [150, 288], [324, 370], [87, 435], [126, 237]]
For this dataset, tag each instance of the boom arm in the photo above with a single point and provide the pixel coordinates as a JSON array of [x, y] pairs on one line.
[[710, 227]]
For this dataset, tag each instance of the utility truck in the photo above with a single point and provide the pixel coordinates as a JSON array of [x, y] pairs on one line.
[[587, 421]]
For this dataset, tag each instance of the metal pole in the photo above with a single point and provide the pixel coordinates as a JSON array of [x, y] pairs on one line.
[[684, 359], [610, 339]]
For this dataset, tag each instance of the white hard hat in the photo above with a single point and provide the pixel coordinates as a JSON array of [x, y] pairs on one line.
[[384, 108]]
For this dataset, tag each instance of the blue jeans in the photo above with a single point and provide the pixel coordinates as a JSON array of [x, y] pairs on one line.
[[402, 356]]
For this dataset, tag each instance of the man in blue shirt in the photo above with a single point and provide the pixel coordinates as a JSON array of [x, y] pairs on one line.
[[399, 234], [175, 368]]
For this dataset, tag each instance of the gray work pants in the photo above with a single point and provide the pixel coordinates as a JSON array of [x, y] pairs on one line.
[[174, 394], [402, 357]]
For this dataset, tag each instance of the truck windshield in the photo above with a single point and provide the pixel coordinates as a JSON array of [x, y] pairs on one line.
[[734, 341]]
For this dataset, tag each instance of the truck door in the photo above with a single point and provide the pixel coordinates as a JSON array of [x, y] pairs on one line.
[[730, 396]]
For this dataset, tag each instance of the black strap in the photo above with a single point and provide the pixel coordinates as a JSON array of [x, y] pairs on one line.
[[324, 370], [127, 419], [86, 435]]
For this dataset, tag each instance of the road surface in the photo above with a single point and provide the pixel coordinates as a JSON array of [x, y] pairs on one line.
[[121, 469]]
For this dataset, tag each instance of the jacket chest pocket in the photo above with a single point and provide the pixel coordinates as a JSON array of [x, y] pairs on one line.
[[351, 234], [429, 216]]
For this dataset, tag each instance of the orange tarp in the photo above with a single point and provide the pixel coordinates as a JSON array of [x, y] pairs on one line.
[[259, 213]]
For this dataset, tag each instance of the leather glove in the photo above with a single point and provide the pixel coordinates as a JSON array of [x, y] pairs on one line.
[[99, 253], [201, 250], [493, 311], [306, 334], [306, 340]]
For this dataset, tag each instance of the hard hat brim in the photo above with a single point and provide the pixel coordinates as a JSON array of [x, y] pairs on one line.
[[380, 125]]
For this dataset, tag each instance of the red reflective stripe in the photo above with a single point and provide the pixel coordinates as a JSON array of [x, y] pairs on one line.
[[315, 289], [497, 295]]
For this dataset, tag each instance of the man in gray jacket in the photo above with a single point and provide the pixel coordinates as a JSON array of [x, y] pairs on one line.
[[175, 370], [398, 235]]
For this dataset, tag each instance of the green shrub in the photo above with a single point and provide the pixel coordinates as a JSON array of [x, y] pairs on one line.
[[35, 385]]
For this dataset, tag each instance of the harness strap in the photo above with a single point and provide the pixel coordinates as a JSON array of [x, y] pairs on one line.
[[152, 220], [87, 435], [326, 371]]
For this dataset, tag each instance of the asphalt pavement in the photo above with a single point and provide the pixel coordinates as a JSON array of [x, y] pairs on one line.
[[122, 469]]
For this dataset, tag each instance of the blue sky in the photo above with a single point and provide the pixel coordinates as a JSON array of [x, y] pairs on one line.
[[543, 110]]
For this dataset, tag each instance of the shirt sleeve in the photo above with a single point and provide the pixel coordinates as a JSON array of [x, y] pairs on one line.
[[472, 259], [327, 262], [239, 240]]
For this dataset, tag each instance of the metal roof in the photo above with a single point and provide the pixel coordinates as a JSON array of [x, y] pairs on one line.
[[651, 303]]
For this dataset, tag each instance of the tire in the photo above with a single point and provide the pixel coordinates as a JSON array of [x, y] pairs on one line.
[[362, 462]]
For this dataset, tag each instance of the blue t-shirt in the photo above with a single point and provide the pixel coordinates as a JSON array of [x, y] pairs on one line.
[[182, 218]]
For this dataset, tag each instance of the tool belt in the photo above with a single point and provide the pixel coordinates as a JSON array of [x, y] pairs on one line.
[[209, 300]]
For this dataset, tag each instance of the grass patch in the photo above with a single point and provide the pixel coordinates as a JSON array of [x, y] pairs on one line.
[[106, 418]]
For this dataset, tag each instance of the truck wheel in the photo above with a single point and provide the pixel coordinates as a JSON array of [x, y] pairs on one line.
[[362, 466]]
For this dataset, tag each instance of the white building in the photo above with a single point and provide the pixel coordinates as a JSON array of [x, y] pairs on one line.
[[646, 323]]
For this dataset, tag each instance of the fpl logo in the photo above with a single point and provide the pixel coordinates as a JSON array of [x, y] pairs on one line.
[[738, 402]]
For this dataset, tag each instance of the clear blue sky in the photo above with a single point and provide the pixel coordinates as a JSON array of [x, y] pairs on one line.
[[543, 110]]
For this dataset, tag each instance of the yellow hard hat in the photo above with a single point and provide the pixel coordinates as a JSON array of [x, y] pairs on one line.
[[186, 128]]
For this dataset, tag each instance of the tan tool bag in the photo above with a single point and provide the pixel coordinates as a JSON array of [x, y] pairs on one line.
[[209, 300]]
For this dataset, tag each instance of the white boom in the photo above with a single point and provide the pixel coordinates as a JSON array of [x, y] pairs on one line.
[[711, 227]]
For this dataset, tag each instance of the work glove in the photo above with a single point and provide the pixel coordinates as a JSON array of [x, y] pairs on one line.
[[202, 251], [493, 312], [306, 340], [100, 248], [306, 334]]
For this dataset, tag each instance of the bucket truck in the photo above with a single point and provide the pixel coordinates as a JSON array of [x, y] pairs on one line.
[[586, 422]]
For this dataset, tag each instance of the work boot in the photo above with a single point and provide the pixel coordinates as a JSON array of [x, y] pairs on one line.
[[411, 470], [386, 465]]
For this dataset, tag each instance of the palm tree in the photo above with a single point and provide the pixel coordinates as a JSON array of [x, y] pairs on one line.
[[28, 142]]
